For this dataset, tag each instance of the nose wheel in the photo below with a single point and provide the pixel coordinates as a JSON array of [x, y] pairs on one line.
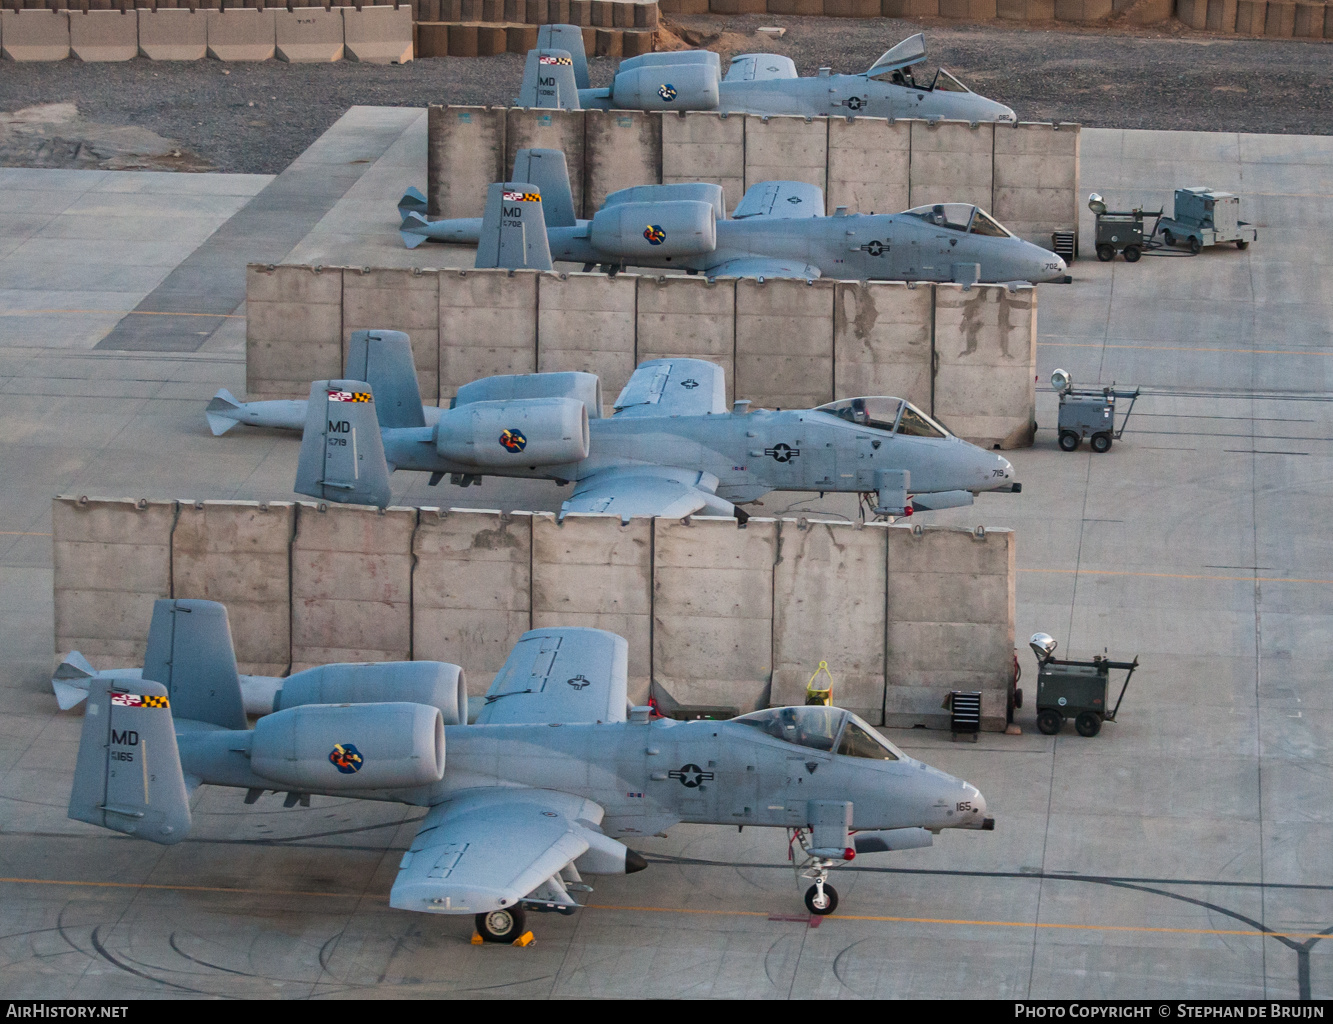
[[821, 898]]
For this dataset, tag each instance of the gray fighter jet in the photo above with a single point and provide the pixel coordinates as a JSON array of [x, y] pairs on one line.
[[518, 810], [556, 75], [778, 230], [672, 448]]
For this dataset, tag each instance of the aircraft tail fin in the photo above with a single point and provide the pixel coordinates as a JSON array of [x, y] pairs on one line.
[[190, 652], [128, 775], [513, 231], [410, 229], [342, 452], [384, 360], [223, 401], [570, 39], [412, 202], [547, 169], [550, 80]]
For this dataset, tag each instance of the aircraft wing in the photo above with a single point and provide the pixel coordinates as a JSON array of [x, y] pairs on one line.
[[781, 200], [760, 67], [764, 266], [631, 491], [560, 675], [488, 849], [674, 387]]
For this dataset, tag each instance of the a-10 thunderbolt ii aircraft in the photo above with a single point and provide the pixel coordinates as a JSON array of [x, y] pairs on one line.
[[556, 75], [778, 230], [555, 772], [671, 448]]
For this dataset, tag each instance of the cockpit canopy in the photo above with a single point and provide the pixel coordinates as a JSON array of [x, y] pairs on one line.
[[960, 217], [823, 728], [892, 414]]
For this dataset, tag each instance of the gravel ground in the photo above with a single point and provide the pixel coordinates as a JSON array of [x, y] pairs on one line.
[[257, 117]]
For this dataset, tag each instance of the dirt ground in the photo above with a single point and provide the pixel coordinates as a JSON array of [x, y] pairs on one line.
[[257, 117]]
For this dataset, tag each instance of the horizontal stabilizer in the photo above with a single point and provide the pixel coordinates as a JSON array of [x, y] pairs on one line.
[[413, 229], [412, 202], [223, 402]]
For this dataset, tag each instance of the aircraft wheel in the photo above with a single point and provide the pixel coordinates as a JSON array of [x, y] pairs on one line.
[[1242, 243], [1196, 246], [1132, 253], [1168, 237], [501, 925], [1105, 253], [1049, 721], [821, 907], [1101, 443], [1068, 441], [1088, 724]]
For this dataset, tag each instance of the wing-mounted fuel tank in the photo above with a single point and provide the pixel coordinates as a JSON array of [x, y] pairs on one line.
[[516, 433], [681, 228], [677, 85], [332, 748], [692, 191], [436, 684]]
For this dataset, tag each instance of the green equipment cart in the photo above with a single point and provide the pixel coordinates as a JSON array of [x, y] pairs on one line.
[[1075, 689]]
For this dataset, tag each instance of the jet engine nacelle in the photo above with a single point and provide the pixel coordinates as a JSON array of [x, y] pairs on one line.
[[518, 433], [666, 87], [433, 683], [583, 387], [683, 228], [330, 748]]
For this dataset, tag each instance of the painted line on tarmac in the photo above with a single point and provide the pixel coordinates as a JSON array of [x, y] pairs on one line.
[[21, 533], [117, 312], [179, 888], [1177, 576]]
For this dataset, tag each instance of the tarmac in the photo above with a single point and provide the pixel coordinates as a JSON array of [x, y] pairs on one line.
[[1183, 853]]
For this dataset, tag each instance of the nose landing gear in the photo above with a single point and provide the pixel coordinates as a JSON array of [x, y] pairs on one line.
[[821, 898]]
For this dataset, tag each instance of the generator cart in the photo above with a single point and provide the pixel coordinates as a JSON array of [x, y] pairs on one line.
[[1075, 689], [1090, 413], [1121, 231], [1204, 217]]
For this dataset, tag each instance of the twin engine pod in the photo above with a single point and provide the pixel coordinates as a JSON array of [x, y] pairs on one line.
[[680, 228], [436, 684], [656, 87], [515, 433]]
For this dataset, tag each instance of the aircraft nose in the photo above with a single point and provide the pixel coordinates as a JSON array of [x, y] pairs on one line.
[[976, 817]]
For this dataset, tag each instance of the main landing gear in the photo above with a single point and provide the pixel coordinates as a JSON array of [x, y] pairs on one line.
[[502, 925]]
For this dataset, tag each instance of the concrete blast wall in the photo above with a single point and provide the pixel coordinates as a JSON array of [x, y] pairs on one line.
[[719, 619]]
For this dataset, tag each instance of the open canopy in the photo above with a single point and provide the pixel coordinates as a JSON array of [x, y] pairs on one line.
[[961, 217], [884, 413], [911, 50], [823, 728]]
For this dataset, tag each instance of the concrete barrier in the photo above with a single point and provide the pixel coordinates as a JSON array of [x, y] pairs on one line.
[[242, 34], [173, 34], [293, 329], [595, 571], [351, 584], [784, 342], [34, 35], [1309, 23], [1026, 10], [103, 35], [548, 129], [111, 561], [786, 149], [1035, 183], [827, 606], [378, 35], [1280, 18], [397, 300], [869, 160], [488, 325], [465, 152], [950, 623], [586, 322], [952, 162], [1082, 11], [470, 589], [882, 340], [236, 552], [621, 148], [1222, 16], [1250, 17], [704, 146], [985, 351], [713, 613], [308, 35], [686, 316]]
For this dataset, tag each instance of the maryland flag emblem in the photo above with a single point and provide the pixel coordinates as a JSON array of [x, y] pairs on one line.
[[522, 197], [555, 60], [134, 700], [513, 441], [346, 758], [667, 92], [349, 396], [654, 234]]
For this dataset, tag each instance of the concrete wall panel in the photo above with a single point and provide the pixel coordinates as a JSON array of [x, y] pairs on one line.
[[882, 340], [34, 35], [688, 316], [623, 148], [351, 584], [586, 322], [1036, 180], [242, 34], [378, 35], [173, 34], [465, 152], [547, 129], [398, 300], [293, 329], [986, 354], [308, 35], [786, 149], [595, 571], [828, 605], [784, 342], [700, 145], [869, 163], [488, 325], [470, 589], [950, 623], [111, 561], [236, 552], [952, 163], [713, 612], [103, 35]]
